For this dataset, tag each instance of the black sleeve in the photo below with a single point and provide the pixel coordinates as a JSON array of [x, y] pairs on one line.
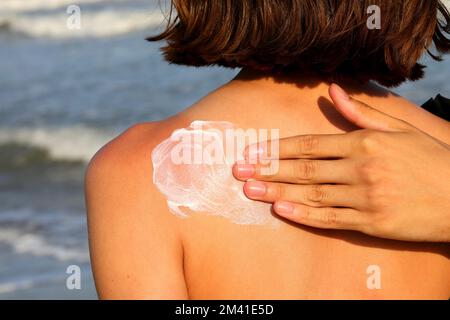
[[439, 106]]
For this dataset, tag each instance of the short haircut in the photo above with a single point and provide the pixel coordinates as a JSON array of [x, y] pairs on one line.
[[329, 38]]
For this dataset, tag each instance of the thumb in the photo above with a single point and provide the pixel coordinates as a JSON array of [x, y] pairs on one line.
[[363, 115]]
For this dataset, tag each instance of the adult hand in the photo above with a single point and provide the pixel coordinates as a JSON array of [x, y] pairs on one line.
[[388, 180]]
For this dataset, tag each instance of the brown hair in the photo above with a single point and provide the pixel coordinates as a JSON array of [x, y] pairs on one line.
[[325, 37]]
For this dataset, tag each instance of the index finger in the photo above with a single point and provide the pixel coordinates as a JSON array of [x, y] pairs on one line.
[[316, 146]]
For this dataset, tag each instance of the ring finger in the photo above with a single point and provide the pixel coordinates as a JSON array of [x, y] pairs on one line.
[[319, 195]]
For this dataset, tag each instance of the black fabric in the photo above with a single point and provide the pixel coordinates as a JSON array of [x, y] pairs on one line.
[[439, 106]]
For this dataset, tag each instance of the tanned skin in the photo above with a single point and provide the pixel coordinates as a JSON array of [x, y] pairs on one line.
[[140, 250]]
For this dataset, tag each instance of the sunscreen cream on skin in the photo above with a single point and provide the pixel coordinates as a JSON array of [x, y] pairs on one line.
[[193, 170]]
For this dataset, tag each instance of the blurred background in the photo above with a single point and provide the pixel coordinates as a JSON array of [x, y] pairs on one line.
[[64, 93]]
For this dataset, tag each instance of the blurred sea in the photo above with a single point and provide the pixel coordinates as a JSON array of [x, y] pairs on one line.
[[63, 94]]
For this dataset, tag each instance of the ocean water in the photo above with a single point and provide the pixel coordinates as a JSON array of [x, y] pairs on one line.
[[63, 94]]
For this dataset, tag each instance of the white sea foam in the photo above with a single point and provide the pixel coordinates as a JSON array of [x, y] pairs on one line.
[[29, 5], [24, 284], [23, 242], [104, 23], [29, 283], [77, 143], [447, 3], [12, 286]]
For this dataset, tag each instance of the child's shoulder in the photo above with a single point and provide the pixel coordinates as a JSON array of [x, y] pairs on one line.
[[122, 172], [132, 149], [127, 217]]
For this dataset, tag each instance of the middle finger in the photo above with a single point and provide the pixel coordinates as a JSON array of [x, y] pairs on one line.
[[300, 171]]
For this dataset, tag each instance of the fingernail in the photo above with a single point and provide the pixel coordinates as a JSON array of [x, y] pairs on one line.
[[244, 171], [255, 188], [254, 152], [283, 208], [341, 93]]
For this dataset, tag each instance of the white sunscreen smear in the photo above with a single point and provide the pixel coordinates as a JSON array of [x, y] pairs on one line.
[[193, 170]]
